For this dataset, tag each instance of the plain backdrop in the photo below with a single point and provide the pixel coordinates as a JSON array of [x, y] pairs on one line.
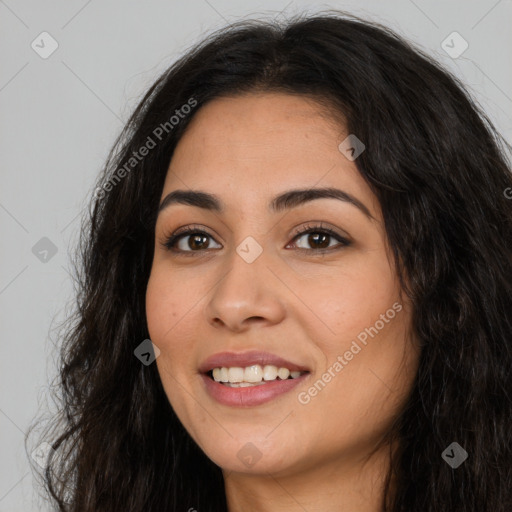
[[60, 114]]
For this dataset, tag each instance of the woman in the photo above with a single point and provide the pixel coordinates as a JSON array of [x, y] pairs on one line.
[[295, 288]]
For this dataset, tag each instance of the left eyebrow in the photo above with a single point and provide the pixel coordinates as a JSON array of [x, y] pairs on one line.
[[284, 201]]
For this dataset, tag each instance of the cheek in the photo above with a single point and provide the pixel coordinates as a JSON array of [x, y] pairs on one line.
[[167, 302], [160, 310], [172, 310], [348, 303], [164, 310]]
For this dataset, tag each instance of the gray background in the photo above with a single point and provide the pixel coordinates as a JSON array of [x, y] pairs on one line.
[[59, 118]]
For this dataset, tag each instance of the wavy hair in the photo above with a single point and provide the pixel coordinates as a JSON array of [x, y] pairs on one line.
[[440, 171]]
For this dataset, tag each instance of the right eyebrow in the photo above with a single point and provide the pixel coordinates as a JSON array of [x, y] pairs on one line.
[[285, 200]]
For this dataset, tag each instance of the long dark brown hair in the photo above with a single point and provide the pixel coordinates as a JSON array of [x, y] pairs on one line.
[[441, 173]]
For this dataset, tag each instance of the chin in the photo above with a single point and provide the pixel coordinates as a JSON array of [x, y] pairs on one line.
[[251, 455]]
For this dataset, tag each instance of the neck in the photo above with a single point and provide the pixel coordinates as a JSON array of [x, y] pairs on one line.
[[342, 484]]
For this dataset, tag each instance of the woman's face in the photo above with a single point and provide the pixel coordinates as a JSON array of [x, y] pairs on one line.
[[252, 291]]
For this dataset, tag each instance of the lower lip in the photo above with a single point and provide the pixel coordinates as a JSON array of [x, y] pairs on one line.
[[250, 395]]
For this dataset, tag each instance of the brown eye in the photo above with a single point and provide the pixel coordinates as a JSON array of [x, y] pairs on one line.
[[197, 241], [316, 238], [189, 241], [320, 239]]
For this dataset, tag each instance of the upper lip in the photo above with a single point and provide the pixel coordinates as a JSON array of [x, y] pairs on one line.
[[249, 358]]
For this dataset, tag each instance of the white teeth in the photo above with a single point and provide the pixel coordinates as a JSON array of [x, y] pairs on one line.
[[235, 374], [283, 373], [244, 384], [270, 372], [253, 375], [220, 374]]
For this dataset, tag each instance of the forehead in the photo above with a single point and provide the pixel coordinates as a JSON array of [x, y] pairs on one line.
[[259, 144]]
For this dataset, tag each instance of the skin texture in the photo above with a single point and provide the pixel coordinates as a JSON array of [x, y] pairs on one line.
[[307, 307]]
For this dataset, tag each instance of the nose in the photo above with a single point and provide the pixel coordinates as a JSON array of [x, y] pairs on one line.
[[245, 294]]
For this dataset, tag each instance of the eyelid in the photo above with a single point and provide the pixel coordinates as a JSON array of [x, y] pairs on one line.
[[298, 232], [320, 226], [190, 229]]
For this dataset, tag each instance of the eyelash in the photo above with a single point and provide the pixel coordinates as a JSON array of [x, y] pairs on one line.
[[171, 240]]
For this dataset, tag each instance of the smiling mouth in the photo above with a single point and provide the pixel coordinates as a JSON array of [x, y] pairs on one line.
[[250, 376]]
